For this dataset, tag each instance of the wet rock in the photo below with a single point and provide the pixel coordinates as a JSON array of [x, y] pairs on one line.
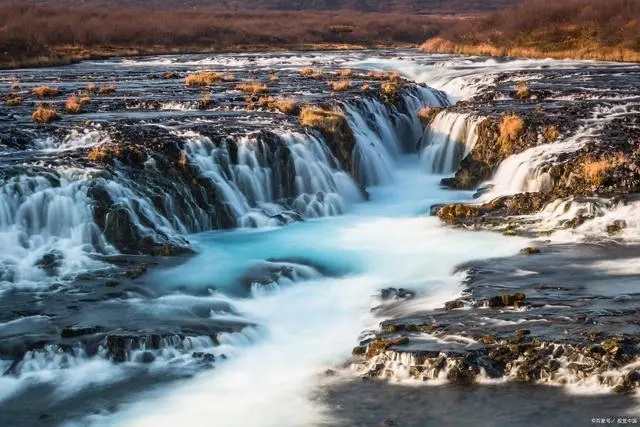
[[137, 271], [359, 350], [451, 305], [462, 373], [205, 357], [117, 347], [77, 331], [146, 357], [530, 251], [616, 227], [51, 262]]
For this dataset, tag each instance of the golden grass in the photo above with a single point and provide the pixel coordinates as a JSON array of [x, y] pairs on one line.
[[382, 75], [345, 74], [73, 105], [84, 100], [169, 75], [595, 170], [46, 91], [426, 114], [252, 87], [320, 118], [310, 72], [510, 127], [550, 133], [13, 100], [99, 154], [366, 87], [592, 51], [287, 106], [390, 88], [523, 91], [202, 78], [284, 105], [341, 86], [44, 114], [107, 89]]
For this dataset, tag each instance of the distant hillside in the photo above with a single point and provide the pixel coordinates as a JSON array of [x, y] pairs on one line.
[[37, 35], [398, 6], [581, 29]]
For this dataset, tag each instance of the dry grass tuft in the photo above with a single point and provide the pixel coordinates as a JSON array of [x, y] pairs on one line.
[[390, 88], [13, 100], [310, 72], [427, 114], [345, 74], [550, 133], [73, 105], [107, 89], [510, 127], [340, 86], [320, 118], [44, 114], [287, 106], [202, 78], [99, 154], [523, 91], [284, 105], [46, 91], [366, 87], [169, 75], [252, 87], [84, 100], [595, 170]]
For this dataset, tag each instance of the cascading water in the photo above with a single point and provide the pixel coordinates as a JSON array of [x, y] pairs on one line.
[[447, 140], [382, 133], [46, 226], [528, 171]]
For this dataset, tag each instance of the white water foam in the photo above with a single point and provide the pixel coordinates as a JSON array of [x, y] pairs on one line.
[[313, 325]]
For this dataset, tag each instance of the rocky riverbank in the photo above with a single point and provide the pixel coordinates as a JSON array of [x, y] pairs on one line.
[[547, 160]]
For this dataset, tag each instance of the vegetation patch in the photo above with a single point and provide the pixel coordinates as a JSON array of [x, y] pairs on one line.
[[44, 113], [595, 171], [202, 78], [341, 86], [511, 126], [46, 91], [252, 87], [73, 105], [13, 100]]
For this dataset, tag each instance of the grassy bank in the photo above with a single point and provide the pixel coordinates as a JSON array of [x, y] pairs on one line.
[[580, 29], [39, 35]]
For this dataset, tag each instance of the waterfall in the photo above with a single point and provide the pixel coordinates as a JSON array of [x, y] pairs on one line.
[[264, 187], [447, 140], [52, 223], [383, 132], [46, 220]]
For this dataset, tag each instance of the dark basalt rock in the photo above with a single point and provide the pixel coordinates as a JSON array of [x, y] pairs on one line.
[[50, 262], [77, 331]]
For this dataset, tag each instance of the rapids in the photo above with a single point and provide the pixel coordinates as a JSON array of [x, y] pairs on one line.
[[291, 244]]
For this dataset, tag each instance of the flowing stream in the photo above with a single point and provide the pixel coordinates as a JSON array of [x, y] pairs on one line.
[[291, 256]]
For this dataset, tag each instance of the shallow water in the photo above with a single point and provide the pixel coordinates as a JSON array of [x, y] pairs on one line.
[[308, 327]]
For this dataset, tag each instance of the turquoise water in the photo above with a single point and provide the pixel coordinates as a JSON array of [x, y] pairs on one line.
[[307, 326]]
